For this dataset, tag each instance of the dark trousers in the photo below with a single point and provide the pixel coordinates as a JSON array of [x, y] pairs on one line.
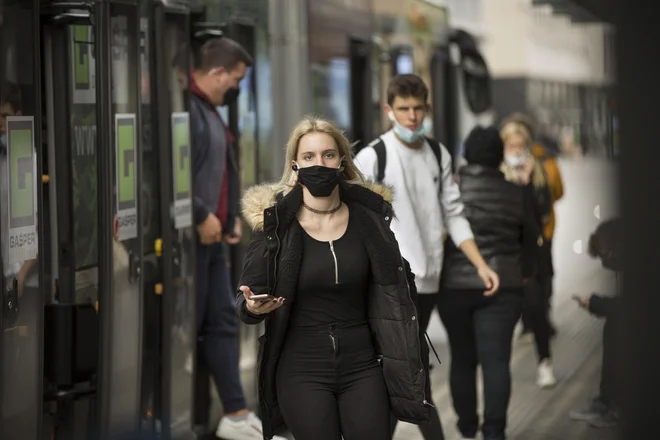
[[432, 430], [329, 384], [608, 394], [480, 329], [546, 270], [217, 325], [536, 306]]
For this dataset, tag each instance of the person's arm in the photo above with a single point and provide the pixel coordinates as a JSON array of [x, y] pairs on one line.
[[255, 277], [554, 176], [600, 306], [199, 142], [367, 162]]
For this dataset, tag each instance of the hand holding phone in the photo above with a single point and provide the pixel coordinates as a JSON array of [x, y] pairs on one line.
[[582, 302], [260, 304], [262, 298]]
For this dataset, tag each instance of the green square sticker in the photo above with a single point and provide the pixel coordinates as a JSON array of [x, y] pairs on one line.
[[21, 172]]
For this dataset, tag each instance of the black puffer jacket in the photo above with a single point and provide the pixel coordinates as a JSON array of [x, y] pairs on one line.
[[504, 227], [272, 264]]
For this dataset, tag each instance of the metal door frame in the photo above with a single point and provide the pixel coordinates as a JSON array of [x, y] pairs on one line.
[[162, 10], [38, 143], [106, 206]]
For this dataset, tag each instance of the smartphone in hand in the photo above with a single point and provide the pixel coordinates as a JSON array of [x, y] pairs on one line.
[[262, 298]]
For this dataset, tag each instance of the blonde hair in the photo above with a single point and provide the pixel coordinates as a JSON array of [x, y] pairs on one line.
[[314, 124], [512, 128]]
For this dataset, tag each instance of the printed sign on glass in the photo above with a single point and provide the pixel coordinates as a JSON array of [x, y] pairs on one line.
[[181, 170], [22, 188], [83, 65], [126, 160]]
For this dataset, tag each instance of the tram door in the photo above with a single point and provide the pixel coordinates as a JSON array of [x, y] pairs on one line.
[[243, 121], [361, 83], [93, 314], [21, 219], [170, 165]]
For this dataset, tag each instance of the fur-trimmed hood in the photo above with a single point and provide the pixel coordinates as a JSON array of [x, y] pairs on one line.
[[261, 197]]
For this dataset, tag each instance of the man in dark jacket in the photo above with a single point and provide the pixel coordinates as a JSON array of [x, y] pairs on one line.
[[604, 244], [219, 67]]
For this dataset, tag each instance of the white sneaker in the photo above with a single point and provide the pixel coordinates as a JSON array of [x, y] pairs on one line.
[[248, 429], [546, 375]]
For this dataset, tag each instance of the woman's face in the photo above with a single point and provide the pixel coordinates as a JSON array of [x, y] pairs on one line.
[[317, 149], [515, 145]]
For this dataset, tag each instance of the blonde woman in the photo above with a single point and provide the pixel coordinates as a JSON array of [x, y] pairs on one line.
[[341, 347], [521, 167]]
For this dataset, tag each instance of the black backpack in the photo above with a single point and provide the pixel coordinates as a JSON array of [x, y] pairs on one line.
[[379, 145]]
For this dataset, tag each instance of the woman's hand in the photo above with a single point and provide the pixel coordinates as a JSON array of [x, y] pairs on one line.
[[259, 307], [490, 278]]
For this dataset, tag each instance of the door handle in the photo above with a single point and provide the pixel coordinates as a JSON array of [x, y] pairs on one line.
[[133, 266], [10, 303]]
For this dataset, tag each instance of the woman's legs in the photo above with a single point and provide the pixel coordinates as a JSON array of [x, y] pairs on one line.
[[494, 324], [364, 408], [536, 303], [456, 307]]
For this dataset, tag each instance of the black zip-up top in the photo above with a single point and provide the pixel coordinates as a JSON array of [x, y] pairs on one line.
[[272, 265]]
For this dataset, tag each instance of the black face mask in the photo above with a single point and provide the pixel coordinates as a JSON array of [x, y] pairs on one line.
[[319, 180], [230, 96]]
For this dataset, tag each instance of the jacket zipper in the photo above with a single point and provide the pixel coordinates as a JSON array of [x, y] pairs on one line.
[[419, 349], [334, 256], [277, 252]]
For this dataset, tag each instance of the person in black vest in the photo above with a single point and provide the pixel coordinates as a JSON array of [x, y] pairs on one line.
[[480, 327], [341, 349]]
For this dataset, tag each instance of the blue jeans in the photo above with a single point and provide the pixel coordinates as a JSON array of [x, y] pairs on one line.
[[217, 325]]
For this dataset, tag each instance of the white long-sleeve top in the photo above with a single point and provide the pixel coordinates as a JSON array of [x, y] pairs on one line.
[[421, 209]]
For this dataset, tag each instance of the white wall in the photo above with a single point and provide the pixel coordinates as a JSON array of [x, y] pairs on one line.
[[522, 40]]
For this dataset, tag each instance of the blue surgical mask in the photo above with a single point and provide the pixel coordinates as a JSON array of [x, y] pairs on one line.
[[404, 133], [3, 143]]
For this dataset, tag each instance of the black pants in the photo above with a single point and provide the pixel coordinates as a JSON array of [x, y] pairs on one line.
[[608, 390], [217, 325], [432, 430], [329, 384], [480, 329], [536, 305], [547, 271]]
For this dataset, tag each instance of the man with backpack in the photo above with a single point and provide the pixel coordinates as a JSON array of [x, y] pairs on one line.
[[426, 200]]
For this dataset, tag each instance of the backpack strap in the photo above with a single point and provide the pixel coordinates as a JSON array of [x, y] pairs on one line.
[[379, 146], [437, 151]]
